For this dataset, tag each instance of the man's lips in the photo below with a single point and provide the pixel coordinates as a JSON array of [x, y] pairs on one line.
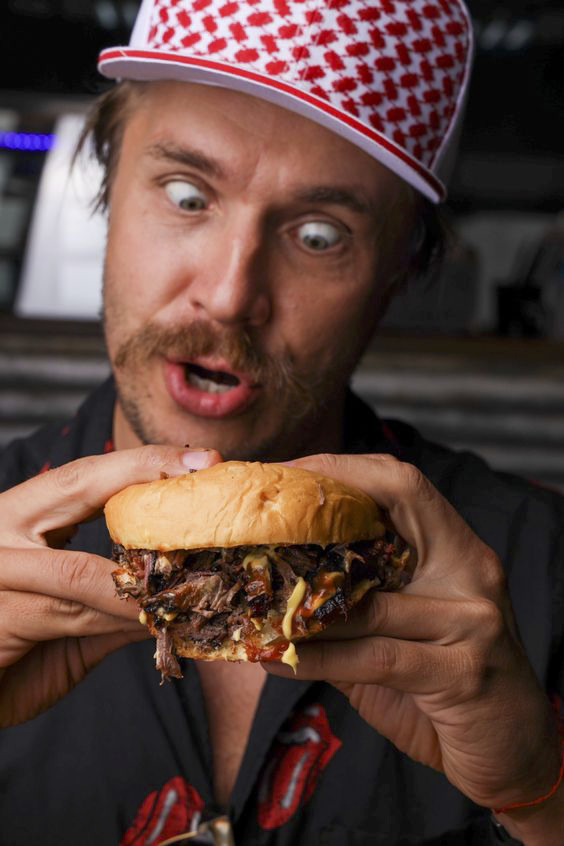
[[200, 402]]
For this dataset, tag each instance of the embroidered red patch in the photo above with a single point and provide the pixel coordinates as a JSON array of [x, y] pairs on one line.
[[300, 753], [174, 809]]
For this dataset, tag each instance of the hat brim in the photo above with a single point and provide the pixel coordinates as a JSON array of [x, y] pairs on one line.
[[153, 65]]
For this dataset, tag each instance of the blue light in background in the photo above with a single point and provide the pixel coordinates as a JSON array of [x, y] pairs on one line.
[[26, 142]]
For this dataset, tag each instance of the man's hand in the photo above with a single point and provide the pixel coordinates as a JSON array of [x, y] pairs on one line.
[[439, 668], [59, 613]]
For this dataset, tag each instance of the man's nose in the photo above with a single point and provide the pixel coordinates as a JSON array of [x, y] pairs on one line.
[[230, 286]]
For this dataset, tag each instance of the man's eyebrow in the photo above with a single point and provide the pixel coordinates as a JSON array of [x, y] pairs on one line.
[[336, 195], [186, 156]]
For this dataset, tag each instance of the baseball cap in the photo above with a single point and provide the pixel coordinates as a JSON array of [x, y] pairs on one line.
[[390, 76]]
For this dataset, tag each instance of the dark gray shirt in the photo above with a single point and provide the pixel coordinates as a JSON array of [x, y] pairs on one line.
[[121, 760]]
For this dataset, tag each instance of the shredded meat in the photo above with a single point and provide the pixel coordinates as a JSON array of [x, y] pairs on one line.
[[206, 595], [165, 659], [203, 592]]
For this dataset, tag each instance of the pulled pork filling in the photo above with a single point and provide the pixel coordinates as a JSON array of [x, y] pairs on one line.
[[211, 595]]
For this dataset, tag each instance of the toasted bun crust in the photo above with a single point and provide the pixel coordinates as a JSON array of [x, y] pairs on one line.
[[239, 503]]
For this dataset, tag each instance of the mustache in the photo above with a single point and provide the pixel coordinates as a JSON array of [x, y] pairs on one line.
[[236, 346]]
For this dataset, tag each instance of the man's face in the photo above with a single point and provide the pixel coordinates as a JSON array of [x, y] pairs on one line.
[[249, 251]]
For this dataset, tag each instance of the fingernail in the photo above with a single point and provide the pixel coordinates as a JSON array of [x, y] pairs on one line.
[[196, 459]]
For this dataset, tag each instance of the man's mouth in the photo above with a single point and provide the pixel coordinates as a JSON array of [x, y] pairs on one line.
[[211, 381], [208, 388]]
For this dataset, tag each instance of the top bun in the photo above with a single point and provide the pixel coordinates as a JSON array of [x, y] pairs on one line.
[[239, 503]]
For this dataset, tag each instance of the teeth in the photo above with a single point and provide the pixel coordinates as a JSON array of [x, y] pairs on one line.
[[207, 385]]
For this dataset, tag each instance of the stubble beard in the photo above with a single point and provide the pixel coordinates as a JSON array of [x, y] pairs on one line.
[[302, 400]]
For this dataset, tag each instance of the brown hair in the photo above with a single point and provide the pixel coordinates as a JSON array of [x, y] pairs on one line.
[[106, 124]]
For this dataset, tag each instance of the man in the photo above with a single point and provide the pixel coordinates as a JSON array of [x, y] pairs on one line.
[[259, 220]]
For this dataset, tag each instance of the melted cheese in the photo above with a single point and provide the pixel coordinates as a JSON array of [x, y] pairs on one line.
[[256, 623], [143, 618], [290, 657], [236, 636], [256, 562], [293, 603]]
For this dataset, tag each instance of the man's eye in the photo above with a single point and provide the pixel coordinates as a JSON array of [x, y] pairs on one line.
[[186, 196], [319, 237]]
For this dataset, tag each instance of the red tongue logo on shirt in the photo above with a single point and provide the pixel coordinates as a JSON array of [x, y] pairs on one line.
[[174, 809], [300, 753]]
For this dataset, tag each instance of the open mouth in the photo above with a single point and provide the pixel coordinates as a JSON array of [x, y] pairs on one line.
[[208, 391], [211, 381]]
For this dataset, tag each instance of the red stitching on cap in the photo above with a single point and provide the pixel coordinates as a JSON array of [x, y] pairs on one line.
[[210, 24], [314, 72], [288, 31], [276, 68], [378, 40], [325, 37], [238, 32], [347, 24], [334, 60], [259, 19], [217, 45], [345, 84], [365, 74], [370, 14], [248, 55], [228, 9], [184, 18], [361, 48], [190, 40]]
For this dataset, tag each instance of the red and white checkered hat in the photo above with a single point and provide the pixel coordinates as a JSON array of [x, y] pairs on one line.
[[388, 75]]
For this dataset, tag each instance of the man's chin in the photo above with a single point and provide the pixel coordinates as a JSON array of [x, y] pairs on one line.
[[235, 439]]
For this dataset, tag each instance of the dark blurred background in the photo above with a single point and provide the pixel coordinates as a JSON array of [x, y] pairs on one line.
[[475, 359]]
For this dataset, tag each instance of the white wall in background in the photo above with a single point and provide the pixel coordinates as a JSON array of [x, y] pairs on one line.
[[62, 274]]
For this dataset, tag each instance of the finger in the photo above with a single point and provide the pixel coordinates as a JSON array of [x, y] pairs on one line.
[[416, 668], [412, 617], [32, 618], [67, 575], [71, 493], [449, 553]]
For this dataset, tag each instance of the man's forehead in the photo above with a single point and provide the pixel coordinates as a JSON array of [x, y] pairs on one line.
[[225, 133], [181, 106]]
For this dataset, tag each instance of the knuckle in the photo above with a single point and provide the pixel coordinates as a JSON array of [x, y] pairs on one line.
[[68, 477], [384, 458], [74, 571], [328, 460], [68, 609], [487, 620], [384, 657], [494, 577], [474, 671], [378, 611], [73, 618], [414, 484]]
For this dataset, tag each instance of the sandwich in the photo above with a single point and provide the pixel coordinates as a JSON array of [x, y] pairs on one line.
[[241, 560]]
